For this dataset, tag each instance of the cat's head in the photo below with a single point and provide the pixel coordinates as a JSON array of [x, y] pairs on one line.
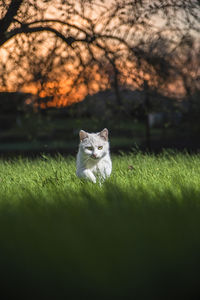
[[94, 145]]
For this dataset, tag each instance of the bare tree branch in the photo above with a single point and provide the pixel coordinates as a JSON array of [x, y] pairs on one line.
[[10, 14], [24, 29]]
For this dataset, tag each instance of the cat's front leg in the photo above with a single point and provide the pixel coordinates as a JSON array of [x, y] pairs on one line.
[[106, 170], [87, 174]]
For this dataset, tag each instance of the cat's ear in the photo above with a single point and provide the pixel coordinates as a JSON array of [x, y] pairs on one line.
[[104, 134], [82, 135]]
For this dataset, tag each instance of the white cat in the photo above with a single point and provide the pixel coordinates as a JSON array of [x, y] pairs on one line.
[[93, 158]]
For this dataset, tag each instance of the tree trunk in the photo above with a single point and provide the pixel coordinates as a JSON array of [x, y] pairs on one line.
[[147, 110]]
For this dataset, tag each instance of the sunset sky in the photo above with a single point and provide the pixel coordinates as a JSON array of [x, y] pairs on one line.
[[62, 82]]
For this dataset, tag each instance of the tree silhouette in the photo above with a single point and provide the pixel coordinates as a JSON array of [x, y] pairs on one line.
[[139, 40]]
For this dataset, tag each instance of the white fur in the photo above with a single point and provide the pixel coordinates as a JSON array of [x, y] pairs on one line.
[[92, 168]]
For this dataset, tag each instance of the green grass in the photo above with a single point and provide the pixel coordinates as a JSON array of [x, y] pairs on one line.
[[136, 236]]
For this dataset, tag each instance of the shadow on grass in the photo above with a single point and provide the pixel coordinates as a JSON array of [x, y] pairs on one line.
[[116, 245]]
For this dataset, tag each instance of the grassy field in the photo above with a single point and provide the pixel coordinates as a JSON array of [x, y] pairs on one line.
[[134, 237]]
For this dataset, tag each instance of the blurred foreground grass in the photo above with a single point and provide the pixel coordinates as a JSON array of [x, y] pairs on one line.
[[137, 236]]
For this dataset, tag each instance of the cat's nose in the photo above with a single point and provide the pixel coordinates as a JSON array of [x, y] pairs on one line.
[[94, 155]]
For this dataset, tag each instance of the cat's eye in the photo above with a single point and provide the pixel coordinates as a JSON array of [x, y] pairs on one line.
[[100, 147], [89, 148]]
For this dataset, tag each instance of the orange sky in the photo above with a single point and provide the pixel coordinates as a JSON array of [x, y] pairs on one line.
[[65, 96], [64, 93], [61, 88]]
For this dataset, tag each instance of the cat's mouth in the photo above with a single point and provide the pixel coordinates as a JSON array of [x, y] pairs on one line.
[[94, 156]]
